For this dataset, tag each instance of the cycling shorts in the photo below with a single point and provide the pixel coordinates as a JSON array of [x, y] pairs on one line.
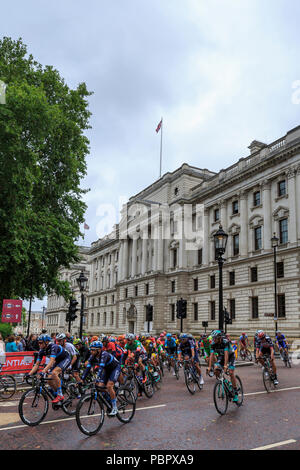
[[64, 364], [231, 362], [109, 376]]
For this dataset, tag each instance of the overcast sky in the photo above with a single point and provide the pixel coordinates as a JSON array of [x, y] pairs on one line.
[[220, 73]]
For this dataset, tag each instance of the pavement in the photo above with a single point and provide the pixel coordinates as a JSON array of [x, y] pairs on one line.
[[173, 419]]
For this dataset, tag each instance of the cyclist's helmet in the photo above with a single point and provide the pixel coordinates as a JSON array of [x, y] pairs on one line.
[[261, 334], [77, 341], [243, 334], [183, 336], [112, 340], [216, 334], [130, 336], [96, 345], [61, 336], [105, 339], [278, 332], [44, 338], [168, 335]]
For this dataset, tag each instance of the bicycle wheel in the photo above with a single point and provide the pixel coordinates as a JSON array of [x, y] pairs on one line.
[[90, 415], [241, 391], [126, 404], [220, 398], [242, 355], [176, 370], [33, 407], [8, 386], [249, 355], [70, 402], [267, 379], [148, 387], [189, 381], [161, 364]]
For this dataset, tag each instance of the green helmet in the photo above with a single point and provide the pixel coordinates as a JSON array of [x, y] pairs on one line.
[[77, 341]]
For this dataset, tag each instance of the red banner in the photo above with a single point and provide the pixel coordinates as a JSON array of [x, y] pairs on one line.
[[12, 311], [18, 362]]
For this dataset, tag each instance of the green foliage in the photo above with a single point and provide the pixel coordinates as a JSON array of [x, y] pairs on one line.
[[6, 329], [42, 161]]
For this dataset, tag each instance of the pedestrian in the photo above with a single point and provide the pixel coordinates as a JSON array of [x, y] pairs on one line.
[[2, 344], [11, 345], [32, 344], [19, 344]]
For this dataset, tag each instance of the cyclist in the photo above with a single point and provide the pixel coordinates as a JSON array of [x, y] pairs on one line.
[[108, 373], [243, 342], [205, 346], [59, 361], [226, 358], [139, 351], [83, 350], [186, 350], [265, 347], [171, 349], [281, 343]]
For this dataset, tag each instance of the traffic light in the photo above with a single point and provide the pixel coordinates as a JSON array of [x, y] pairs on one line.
[[72, 310], [227, 318], [149, 312], [181, 308]]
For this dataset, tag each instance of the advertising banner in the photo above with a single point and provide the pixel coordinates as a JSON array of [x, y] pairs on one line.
[[12, 311], [19, 362]]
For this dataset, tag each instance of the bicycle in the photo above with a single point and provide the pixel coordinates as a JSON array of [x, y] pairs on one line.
[[286, 358], [8, 385], [268, 374], [245, 354], [191, 376], [90, 410], [130, 380], [34, 403], [224, 392]]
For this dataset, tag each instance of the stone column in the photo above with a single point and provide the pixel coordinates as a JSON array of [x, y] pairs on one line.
[[244, 224], [223, 219], [298, 201], [144, 252], [125, 259], [133, 259], [292, 233], [206, 241], [160, 252], [120, 261], [267, 208]]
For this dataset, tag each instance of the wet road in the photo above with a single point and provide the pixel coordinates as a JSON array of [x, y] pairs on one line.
[[175, 419]]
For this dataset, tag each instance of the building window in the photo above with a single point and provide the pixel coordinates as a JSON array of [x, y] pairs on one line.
[[281, 305], [236, 245], [280, 269], [172, 286], [174, 258], [172, 312], [283, 231], [136, 290], [217, 214], [98, 319], [200, 256], [124, 315], [281, 188], [254, 307], [257, 238], [232, 309], [126, 293], [176, 191], [232, 278], [147, 289], [104, 319], [256, 198], [195, 311], [196, 283], [254, 274], [92, 320], [213, 310], [99, 301], [112, 318], [105, 300], [112, 299], [109, 259], [212, 281], [235, 207]]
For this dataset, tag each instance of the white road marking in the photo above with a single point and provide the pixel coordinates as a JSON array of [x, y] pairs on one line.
[[271, 391], [277, 444], [72, 419], [9, 403]]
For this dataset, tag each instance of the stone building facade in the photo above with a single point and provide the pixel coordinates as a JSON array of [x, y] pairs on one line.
[[150, 258], [57, 307]]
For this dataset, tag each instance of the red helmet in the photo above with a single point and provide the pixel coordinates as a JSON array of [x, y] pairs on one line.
[[261, 334]]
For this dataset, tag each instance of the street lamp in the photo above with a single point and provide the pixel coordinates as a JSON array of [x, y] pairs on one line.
[[220, 240], [82, 284], [275, 242]]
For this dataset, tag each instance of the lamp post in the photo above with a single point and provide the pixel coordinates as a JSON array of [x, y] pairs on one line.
[[275, 241], [220, 240], [43, 317], [82, 283]]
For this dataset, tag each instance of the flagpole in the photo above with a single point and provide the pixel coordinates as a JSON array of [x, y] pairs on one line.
[[161, 132]]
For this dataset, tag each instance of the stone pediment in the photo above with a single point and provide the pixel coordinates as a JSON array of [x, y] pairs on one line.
[[255, 220], [234, 228], [280, 212]]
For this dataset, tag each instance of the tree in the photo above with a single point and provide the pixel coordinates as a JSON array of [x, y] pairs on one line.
[[42, 161]]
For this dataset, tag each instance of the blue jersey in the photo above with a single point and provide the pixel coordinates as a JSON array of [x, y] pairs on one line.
[[170, 344], [221, 347], [186, 348], [53, 350], [281, 341]]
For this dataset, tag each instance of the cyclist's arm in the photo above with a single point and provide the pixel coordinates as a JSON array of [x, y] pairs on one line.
[[226, 355], [35, 368], [49, 365]]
